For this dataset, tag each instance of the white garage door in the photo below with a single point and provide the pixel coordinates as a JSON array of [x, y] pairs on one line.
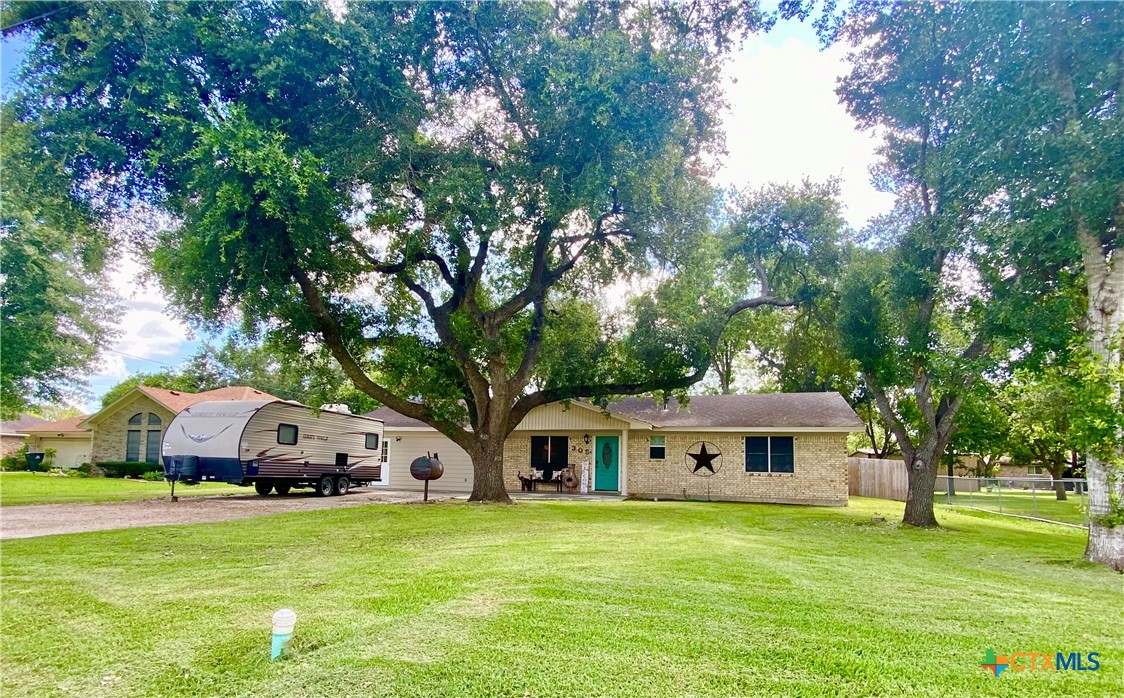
[[71, 452], [458, 466]]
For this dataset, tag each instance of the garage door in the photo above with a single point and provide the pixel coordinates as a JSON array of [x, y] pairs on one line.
[[71, 452], [458, 466]]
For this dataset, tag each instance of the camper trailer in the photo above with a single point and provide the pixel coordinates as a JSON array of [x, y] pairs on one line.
[[274, 446]]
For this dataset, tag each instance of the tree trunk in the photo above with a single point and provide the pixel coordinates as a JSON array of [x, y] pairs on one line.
[[487, 471], [950, 488], [922, 481], [1059, 489], [1105, 282]]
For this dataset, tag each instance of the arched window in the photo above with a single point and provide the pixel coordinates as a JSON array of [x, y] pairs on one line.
[[136, 438]]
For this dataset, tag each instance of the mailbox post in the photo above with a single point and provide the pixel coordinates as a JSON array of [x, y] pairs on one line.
[[426, 468]]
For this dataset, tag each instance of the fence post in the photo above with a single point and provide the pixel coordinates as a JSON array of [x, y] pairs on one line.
[[1034, 497], [999, 489]]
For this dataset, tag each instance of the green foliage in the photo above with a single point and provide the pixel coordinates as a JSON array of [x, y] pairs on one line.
[[119, 469], [152, 475], [16, 461], [412, 185], [167, 379], [54, 309]]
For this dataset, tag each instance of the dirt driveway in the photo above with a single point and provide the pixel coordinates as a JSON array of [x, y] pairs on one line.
[[29, 521]]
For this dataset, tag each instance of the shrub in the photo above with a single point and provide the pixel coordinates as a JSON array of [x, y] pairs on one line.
[[75, 472], [153, 476], [84, 470], [124, 468], [15, 461], [49, 459]]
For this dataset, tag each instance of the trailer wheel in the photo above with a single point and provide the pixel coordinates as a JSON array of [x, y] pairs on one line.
[[326, 486], [343, 484], [282, 487], [263, 487]]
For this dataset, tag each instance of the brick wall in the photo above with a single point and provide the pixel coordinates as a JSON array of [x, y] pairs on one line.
[[820, 475], [10, 443], [110, 433]]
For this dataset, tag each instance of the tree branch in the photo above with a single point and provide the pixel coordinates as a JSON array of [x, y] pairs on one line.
[[330, 331]]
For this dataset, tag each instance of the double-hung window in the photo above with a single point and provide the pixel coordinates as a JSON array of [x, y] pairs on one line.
[[657, 447], [770, 454]]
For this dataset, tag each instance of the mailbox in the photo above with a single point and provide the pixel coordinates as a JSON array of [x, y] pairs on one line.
[[426, 468]]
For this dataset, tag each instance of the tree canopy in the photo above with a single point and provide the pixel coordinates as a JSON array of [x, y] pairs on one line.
[[55, 313], [433, 191]]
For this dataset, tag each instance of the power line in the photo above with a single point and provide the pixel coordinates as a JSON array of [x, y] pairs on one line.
[[32, 19], [141, 358]]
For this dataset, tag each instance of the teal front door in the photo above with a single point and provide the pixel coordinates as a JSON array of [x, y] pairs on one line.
[[607, 457]]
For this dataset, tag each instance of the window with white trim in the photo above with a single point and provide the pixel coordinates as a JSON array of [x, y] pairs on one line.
[[657, 447], [770, 454]]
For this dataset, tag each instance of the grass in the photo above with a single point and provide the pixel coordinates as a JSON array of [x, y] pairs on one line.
[[560, 599], [41, 488], [1041, 504]]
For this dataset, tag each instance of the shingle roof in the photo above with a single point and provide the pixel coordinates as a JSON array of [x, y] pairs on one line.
[[59, 425], [762, 411], [765, 410], [176, 400], [392, 419], [20, 425]]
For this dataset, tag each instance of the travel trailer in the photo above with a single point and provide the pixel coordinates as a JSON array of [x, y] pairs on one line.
[[274, 446]]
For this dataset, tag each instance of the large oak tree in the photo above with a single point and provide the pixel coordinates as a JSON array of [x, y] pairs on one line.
[[436, 192]]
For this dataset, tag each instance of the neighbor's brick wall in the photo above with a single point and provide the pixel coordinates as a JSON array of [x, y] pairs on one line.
[[820, 475], [110, 434], [10, 443], [517, 453]]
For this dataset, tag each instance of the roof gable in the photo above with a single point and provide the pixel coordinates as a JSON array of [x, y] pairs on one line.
[[176, 400]]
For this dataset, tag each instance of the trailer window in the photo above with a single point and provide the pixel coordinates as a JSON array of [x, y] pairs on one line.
[[372, 442], [287, 434]]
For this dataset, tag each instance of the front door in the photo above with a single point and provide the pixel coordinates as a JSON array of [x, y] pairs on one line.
[[607, 457]]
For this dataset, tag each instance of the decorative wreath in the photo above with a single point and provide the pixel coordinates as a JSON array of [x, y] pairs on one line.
[[570, 480]]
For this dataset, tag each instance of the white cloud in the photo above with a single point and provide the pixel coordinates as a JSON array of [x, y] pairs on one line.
[[786, 123], [146, 328]]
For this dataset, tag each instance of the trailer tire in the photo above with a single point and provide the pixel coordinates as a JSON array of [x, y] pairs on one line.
[[343, 485], [326, 486], [263, 487], [282, 487]]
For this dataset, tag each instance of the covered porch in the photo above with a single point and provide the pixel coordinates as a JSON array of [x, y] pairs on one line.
[[574, 449]]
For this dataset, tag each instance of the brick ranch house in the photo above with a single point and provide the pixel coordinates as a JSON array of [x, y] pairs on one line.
[[130, 429], [782, 448]]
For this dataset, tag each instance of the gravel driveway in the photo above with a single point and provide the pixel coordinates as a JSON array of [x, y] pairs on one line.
[[29, 521]]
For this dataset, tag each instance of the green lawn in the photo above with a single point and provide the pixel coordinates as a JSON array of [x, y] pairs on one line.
[[1041, 504], [41, 488], [560, 599]]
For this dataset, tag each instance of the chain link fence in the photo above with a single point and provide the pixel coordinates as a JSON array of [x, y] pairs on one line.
[[1062, 501]]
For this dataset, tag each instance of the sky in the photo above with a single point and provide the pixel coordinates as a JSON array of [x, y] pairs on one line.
[[784, 123]]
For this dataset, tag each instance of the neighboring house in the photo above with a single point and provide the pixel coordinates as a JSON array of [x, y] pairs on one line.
[[13, 432], [129, 429], [784, 448], [72, 443]]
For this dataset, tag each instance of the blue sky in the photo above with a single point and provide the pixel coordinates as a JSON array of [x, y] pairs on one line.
[[784, 123]]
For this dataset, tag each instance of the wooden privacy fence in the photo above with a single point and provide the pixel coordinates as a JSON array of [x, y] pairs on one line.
[[877, 477]]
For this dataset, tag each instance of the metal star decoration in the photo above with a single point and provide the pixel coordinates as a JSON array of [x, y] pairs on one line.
[[704, 459]]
